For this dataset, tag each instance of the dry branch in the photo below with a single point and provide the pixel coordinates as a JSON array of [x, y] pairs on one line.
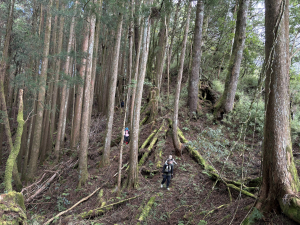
[[82, 200]]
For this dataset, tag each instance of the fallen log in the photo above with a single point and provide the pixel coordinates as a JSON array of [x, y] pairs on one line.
[[98, 211], [82, 200], [148, 150], [211, 172], [144, 120], [148, 139], [146, 210], [159, 151]]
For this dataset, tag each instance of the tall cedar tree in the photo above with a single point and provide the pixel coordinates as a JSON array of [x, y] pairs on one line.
[[85, 129], [111, 95], [64, 91], [226, 101], [196, 59], [133, 167], [280, 184], [41, 97], [176, 141]]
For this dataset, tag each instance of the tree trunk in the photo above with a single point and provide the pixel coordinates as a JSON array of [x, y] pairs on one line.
[[3, 62], [85, 129], [133, 167], [111, 95], [14, 150], [226, 101], [56, 70], [280, 183], [41, 98], [176, 141], [169, 53], [79, 94], [130, 36], [63, 97], [196, 61], [94, 70], [47, 135]]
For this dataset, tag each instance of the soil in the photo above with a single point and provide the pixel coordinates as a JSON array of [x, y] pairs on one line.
[[193, 198]]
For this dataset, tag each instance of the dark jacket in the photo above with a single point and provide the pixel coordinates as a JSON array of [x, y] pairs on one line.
[[168, 173]]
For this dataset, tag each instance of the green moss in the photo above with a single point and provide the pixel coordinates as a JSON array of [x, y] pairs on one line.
[[12, 205], [291, 209], [292, 169]]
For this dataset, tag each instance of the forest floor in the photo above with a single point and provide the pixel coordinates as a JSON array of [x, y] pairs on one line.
[[193, 198]]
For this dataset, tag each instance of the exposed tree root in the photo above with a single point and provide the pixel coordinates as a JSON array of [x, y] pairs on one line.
[[211, 172], [148, 150], [146, 210]]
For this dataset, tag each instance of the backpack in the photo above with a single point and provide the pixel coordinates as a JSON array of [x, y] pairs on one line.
[[168, 168]]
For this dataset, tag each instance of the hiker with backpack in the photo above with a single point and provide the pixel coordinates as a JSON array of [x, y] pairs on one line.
[[126, 135], [167, 173]]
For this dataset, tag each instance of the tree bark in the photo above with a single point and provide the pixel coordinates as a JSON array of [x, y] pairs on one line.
[[196, 61], [41, 98], [47, 136], [64, 92], [85, 129], [133, 167], [56, 69], [14, 150], [3, 62], [79, 94], [136, 71], [280, 183], [226, 101], [94, 69], [176, 141], [111, 96]]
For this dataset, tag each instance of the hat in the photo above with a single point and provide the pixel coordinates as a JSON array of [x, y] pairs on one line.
[[126, 128]]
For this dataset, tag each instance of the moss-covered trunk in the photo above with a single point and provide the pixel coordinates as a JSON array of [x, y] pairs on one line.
[[11, 161]]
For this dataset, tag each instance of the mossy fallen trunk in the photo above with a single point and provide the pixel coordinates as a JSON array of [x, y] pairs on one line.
[[144, 120], [148, 150], [146, 210], [96, 212], [159, 149], [12, 209], [211, 172], [148, 139]]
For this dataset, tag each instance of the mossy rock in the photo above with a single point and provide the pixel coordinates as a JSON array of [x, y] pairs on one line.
[[12, 209]]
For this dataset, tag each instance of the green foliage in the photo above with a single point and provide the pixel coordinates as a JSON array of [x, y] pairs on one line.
[[218, 86], [255, 215], [241, 112], [202, 222], [62, 202]]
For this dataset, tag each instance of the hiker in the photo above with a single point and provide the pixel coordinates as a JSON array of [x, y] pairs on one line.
[[167, 173], [126, 135], [172, 160]]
